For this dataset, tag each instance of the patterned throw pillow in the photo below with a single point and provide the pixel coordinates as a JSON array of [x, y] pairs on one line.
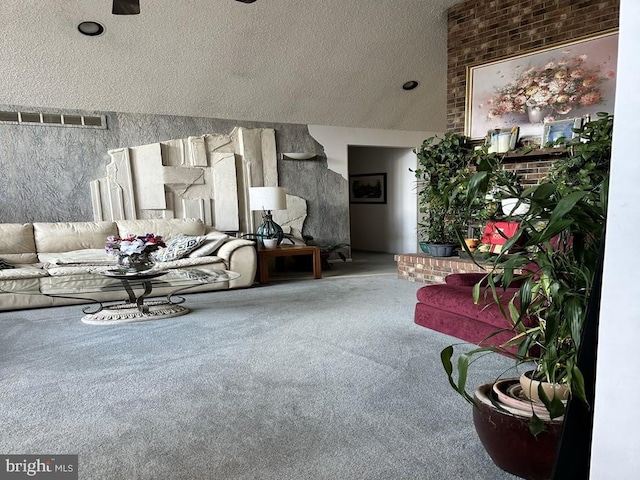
[[178, 247], [213, 241], [4, 265]]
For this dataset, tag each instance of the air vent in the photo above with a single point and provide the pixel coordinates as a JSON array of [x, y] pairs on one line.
[[55, 119]]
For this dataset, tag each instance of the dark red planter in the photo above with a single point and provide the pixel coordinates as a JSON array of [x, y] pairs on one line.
[[510, 444]]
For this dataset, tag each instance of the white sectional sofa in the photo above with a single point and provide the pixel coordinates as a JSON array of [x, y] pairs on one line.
[[39, 251]]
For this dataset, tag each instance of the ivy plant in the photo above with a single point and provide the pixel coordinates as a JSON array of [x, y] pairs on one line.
[[442, 162]]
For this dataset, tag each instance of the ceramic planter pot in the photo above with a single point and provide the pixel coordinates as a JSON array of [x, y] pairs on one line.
[[442, 249], [509, 207], [530, 388], [472, 244], [270, 243], [506, 437]]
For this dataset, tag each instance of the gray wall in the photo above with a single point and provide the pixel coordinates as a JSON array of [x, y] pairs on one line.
[[45, 170]]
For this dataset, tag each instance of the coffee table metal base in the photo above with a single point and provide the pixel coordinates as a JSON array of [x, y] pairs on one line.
[[130, 312]]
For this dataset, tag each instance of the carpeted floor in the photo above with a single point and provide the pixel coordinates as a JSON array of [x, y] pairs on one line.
[[300, 379]]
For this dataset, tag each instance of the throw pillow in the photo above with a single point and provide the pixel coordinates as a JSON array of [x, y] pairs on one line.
[[4, 265], [213, 241], [178, 247]]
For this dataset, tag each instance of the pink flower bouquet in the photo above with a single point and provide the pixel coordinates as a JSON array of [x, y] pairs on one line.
[[134, 244]]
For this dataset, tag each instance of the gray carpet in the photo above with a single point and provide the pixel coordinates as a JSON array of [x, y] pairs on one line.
[[303, 379]]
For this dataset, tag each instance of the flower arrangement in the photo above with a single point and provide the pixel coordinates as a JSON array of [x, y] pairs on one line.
[[559, 86], [134, 244]]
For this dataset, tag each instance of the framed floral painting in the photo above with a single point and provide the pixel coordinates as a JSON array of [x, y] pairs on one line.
[[557, 83]]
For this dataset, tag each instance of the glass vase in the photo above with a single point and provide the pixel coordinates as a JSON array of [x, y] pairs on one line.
[[537, 114], [136, 262]]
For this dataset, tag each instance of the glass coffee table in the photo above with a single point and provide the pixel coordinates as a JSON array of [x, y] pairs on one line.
[[136, 288]]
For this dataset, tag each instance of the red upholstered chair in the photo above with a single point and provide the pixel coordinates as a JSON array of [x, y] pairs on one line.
[[448, 308]]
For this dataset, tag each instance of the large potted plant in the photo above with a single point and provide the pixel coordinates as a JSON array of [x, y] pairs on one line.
[[441, 163], [559, 243]]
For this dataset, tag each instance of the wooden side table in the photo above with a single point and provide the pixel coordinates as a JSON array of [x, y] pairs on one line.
[[264, 254]]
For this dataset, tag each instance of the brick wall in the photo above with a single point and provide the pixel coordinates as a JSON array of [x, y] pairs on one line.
[[480, 31], [423, 268]]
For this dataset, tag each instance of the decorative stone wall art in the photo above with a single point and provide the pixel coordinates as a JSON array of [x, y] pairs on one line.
[[205, 177]]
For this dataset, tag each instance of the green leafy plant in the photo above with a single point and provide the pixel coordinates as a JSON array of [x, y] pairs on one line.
[[560, 241], [481, 192], [441, 163]]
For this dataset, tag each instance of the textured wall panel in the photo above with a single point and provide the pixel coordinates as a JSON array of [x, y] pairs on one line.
[[250, 148], [148, 185], [225, 197], [119, 187], [269, 158], [197, 152], [173, 153]]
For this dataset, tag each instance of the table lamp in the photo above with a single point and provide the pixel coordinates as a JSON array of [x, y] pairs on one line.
[[267, 199]]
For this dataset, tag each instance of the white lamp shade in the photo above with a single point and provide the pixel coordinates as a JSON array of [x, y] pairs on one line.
[[267, 198]]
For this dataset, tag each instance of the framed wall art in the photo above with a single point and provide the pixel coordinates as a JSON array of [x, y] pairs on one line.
[[368, 188], [554, 130], [556, 83]]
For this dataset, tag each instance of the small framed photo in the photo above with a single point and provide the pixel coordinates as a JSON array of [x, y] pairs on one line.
[[560, 129], [368, 188], [531, 141]]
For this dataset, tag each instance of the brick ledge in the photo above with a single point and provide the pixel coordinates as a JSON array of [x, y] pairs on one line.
[[423, 268]]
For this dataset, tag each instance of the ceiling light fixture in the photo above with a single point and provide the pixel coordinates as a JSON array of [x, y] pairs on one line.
[[410, 85], [246, 1], [91, 29]]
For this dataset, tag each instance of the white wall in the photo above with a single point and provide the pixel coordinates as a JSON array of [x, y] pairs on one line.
[[616, 434], [336, 141], [390, 227]]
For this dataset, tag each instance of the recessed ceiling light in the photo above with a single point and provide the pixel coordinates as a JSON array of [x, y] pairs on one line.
[[410, 85], [92, 29]]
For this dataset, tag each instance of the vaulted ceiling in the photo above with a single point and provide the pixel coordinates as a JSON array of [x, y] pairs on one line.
[[324, 62]]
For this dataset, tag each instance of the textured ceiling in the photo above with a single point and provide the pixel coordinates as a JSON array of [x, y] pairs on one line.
[[324, 62]]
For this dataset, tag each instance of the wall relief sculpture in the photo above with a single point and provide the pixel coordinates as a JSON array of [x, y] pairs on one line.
[[206, 177]]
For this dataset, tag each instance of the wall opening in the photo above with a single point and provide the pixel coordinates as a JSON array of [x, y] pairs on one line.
[[384, 227]]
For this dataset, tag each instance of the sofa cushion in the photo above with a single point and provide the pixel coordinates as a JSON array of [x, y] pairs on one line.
[[17, 244], [22, 271], [470, 279], [166, 228], [69, 236], [89, 256], [4, 265], [178, 247], [459, 300], [464, 279], [68, 270], [216, 262], [212, 241], [464, 328]]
